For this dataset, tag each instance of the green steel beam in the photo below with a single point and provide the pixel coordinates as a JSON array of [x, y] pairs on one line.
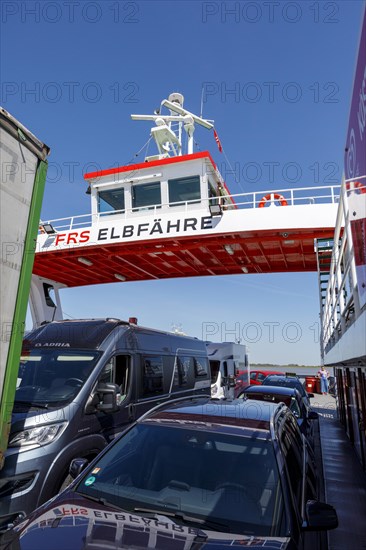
[[17, 330]]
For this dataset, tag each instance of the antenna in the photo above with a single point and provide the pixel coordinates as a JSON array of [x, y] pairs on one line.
[[166, 139], [201, 113], [177, 109]]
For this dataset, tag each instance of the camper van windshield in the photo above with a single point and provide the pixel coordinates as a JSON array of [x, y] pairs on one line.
[[52, 376]]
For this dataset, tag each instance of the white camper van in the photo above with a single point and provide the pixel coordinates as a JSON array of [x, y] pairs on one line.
[[227, 359]]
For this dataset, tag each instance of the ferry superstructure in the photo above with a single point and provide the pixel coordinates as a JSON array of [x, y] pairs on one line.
[[173, 216], [342, 279]]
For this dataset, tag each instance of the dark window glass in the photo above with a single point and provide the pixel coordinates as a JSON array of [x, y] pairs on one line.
[[152, 375], [182, 365], [261, 376], [200, 366], [53, 376], [215, 367], [295, 408], [311, 486], [110, 201], [289, 382], [116, 371], [154, 466], [146, 195], [184, 189], [212, 194], [292, 447], [253, 375]]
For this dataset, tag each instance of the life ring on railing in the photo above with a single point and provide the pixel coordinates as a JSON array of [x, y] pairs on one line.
[[357, 186], [271, 197]]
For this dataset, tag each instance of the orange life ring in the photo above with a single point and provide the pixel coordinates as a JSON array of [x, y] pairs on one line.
[[276, 196], [356, 186]]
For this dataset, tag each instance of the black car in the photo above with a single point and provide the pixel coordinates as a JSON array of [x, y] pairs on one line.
[[194, 473], [288, 381], [292, 398], [80, 383]]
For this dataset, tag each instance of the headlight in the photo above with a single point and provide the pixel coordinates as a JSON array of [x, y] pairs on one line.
[[38, 436]]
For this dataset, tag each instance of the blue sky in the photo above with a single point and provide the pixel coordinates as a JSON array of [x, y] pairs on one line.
[[277, 80]]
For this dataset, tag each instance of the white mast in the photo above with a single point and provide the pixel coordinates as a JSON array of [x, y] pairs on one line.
[[167, 141]]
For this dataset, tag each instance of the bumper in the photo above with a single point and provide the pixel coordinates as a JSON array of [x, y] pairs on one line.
[[21, 482]]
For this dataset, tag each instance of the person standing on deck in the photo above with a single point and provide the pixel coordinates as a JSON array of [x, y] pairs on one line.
[[323, 375]]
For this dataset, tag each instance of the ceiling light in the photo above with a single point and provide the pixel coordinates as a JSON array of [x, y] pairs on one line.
[[228, 249], [85, 261], [119, 277]]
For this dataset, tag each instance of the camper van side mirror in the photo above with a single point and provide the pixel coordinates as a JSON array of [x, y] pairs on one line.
[[107, 393], [232, 381]]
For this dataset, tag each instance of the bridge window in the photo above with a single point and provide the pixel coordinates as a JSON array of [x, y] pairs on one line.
[[146, 195], [184, 189], [111, 201]]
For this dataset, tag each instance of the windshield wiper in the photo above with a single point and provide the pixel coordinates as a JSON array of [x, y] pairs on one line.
[[103, 501], [31, 404], [222, 527]]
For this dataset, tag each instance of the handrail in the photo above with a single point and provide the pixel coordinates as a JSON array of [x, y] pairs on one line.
[[294, 197], [341, 305]]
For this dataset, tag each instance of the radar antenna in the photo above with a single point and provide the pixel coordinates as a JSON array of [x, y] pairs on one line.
[[168, 141]]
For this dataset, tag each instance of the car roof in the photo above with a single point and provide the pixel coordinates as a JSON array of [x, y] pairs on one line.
[[265, 371], [213, 414], [279, 390], [283, 378]]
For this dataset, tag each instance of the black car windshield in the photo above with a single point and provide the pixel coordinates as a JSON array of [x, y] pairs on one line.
[[212, 477], [289, 400], [289, 382], [52, 376]]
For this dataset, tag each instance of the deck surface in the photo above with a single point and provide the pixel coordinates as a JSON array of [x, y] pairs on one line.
[[344, 478]]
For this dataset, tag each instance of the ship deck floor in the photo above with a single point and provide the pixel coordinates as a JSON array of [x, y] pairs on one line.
[[344, 478]]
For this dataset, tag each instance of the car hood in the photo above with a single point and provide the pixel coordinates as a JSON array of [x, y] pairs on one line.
[[73, 524]]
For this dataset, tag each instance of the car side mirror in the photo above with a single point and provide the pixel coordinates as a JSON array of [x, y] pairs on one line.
[[77, 466], [320, 516], [312, 415], [108, 393]]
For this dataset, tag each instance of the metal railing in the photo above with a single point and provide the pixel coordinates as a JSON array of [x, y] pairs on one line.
[[292, 197], [341, 305]]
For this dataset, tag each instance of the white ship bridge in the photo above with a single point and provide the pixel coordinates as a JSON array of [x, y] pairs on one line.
[[173, 216]]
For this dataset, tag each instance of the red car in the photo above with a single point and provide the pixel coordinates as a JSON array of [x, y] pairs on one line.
[[256, 377], [241, 382]]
